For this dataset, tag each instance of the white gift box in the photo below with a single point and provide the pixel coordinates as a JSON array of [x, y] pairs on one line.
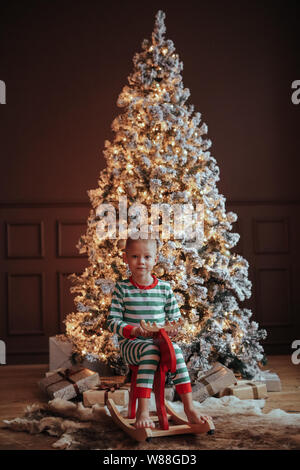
[[59, 354], [271, 380], [60, 358]]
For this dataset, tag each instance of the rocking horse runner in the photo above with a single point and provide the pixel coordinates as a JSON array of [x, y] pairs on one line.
[[164, 410]]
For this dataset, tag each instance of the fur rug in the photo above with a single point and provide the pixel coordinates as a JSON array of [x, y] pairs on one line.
[[240, 424]]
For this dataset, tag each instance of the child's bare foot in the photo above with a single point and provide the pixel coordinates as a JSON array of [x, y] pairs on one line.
[[194, 417], [143, 420]]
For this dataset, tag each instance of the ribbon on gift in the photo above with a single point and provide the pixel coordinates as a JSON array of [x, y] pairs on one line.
[[254, 389], [108, 388], [66, 375]]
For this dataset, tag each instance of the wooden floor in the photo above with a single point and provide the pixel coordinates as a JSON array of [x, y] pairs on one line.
[[18, 388]]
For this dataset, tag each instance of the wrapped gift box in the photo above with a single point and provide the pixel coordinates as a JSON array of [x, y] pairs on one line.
[[246, 389], [271, 380], [68, 383], [211, 382], [60, 352], [100, 393]]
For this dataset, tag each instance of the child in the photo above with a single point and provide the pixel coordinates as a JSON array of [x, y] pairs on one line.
[[143, 296]]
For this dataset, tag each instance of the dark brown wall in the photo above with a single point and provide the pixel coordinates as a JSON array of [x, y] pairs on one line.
[[64, 64]]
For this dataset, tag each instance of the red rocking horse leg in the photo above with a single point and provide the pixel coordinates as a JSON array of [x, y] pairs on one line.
[[167, 362]]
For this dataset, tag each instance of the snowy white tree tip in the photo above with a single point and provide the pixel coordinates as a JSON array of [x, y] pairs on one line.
[[159, 28]]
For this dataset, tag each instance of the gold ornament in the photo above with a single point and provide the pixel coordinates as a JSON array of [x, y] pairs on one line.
[[131, 190], [159, 271]]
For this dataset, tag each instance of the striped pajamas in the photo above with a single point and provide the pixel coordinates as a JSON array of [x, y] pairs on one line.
[[129, 306]]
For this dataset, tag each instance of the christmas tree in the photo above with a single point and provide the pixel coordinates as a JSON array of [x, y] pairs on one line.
[[160, 155]]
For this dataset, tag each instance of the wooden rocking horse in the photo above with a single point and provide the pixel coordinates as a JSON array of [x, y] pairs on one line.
[[165, 412]]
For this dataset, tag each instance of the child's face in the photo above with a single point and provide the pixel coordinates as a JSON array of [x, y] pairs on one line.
[[141, 256]]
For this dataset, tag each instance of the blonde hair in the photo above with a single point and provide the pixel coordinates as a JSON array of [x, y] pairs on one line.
[[130, 241]]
